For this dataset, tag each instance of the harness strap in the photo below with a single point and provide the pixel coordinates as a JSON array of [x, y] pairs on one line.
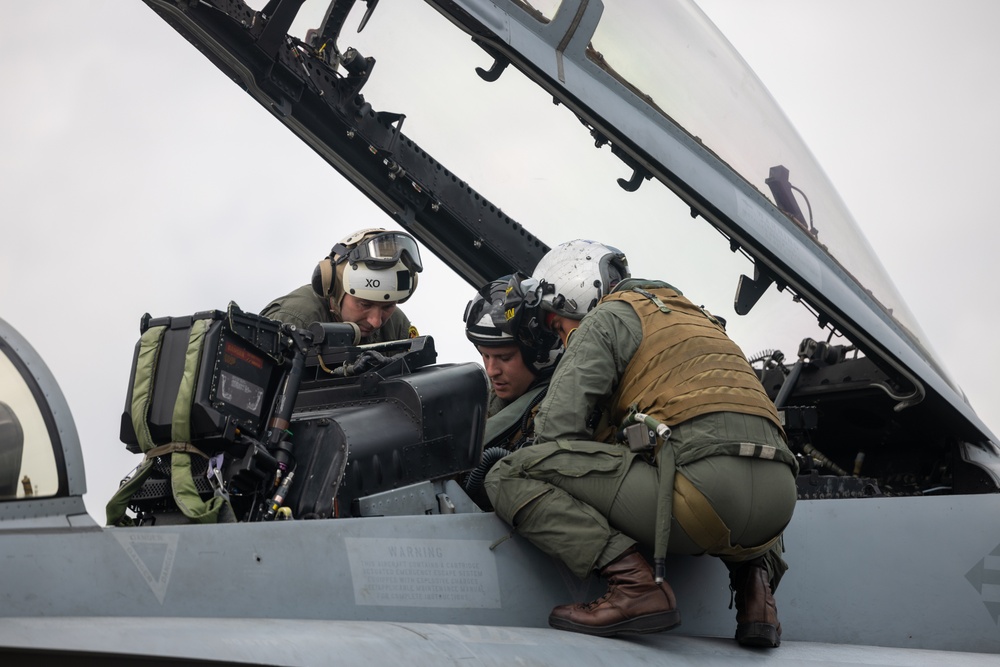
[[142, 387], [115, 509], [186, 494], [703, 525], [172, 447], [180, 426]]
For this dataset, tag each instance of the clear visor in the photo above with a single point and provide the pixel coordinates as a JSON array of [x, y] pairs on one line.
[[385, 250]]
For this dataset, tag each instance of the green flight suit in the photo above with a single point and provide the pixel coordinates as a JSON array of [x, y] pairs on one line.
[[586, 502], [511, 427], [303, 306], [494, 404], [513, 424]]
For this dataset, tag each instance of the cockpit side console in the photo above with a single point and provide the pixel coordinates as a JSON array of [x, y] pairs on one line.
[[840, 415]]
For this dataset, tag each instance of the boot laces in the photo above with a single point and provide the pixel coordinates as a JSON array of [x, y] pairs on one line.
[[599, 601]]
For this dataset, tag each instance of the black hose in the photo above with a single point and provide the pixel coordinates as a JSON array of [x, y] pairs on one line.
[[475, 480], [366, 361]]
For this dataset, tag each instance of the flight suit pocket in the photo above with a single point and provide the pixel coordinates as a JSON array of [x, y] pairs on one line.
[[577, 459], [589, 471]]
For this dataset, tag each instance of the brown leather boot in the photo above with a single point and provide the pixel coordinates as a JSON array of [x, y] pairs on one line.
[[756, 612], [634, 603]]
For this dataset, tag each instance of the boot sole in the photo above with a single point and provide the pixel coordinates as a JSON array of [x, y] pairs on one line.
[[757, 634], [641, 625]]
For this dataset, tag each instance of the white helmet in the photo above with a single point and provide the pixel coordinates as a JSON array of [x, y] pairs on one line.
[[371, 264], [575, 275]]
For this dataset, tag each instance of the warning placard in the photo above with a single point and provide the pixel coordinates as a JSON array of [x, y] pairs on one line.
[[423, 573]]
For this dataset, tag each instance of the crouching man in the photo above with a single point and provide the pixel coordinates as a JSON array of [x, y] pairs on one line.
[[706, 469]]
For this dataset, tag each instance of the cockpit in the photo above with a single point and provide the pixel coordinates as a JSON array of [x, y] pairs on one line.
[[873, 412], [28, 446]]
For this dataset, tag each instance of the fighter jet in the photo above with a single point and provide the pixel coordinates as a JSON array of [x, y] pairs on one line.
[[372, 549]]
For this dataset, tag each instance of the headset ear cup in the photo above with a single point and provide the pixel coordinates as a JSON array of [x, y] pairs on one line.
[[323, 278], [413, 287]]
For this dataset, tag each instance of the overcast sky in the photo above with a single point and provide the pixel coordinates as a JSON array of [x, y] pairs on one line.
[[136, 178]]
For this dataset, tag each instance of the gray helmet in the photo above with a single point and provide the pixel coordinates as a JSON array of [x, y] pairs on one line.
[[482, 316]]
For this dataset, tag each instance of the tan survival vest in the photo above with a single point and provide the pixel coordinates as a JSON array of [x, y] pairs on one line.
[[686, 365]]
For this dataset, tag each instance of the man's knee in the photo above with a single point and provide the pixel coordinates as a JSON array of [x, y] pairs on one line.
[[494, 477], [508, 489]]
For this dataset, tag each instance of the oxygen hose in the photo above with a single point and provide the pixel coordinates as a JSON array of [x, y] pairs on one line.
[[493, 454], [478, 476]]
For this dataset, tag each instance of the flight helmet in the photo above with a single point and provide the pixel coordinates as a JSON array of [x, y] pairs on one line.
[[573, 276], [372, 264], [485, 327], [569, 281], [482, 312]]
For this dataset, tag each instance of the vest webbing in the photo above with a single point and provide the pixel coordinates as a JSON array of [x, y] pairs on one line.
[[685, 366]]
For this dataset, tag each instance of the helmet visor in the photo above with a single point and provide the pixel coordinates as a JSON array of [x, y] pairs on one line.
[[385, 250], [520, 308], [522, 317]]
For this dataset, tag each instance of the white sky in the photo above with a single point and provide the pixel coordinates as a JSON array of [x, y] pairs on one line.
[[135, 177]]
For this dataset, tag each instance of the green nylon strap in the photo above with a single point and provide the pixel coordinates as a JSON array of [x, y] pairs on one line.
[[182, 485], [186, 495], [115, 509], [142, 387], [180, 426], [181, 479]]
